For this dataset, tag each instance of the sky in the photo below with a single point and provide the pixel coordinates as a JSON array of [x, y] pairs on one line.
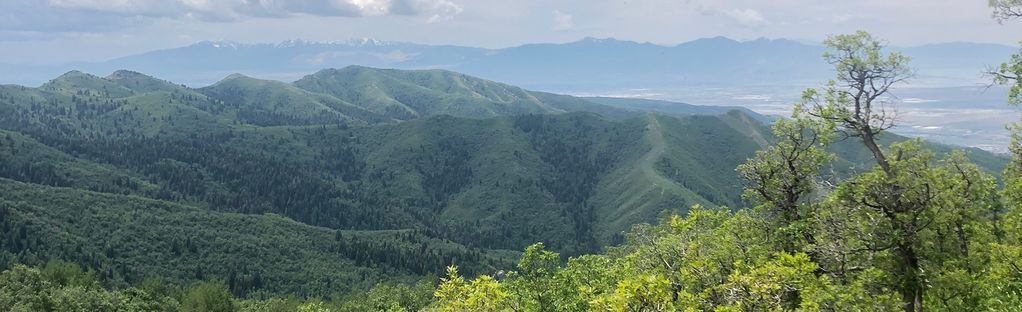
[[60, 31]]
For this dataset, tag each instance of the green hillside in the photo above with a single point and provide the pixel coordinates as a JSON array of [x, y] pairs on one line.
[[346, 177], [79, 83], [409, 94], [127, 239], [412, 94], [142, 83], [273, 103]]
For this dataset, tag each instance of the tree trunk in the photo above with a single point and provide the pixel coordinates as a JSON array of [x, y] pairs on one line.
[[871, 144], [912, 284], [963, 240]]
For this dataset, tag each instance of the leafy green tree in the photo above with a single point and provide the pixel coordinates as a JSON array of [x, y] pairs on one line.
[[713, 260], [83, 299], [534, 285], [137, 299], [586, 278], [788, 283], [1010, 73], [269, 305], [62, 286], [855, 101], [313, 307], [391, 297], [483, 294], [711, 245], [646, 292], [208, 297], [1002, 285], [24, 289], [938, 213], [968, 212], [781, 178], [1013, 172], [68, 274]]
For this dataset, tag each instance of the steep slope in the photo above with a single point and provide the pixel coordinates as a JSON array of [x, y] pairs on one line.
[[637, 192], [687, 160], [501, 182]]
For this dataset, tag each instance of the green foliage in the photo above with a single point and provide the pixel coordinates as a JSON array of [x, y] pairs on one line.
[[711, 260], [456, 294], [65, 287], [534, 282], [854, 100], [782, 177], [640, 293], [509, 181], [126, 239], [209, 296], [66, 274], [497, 184], [391, 297], [917, 230], [1008, 73], [312, 191], [405, 95]]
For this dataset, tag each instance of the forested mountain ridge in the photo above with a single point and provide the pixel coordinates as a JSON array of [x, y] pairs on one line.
[[439, 164], [412, 94]]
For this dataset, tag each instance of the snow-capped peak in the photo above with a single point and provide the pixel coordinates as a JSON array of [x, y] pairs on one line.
[[292, 43], [219, 44], [360, 42]]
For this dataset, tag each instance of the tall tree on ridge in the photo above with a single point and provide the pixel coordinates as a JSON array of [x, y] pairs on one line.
[[858, 102]]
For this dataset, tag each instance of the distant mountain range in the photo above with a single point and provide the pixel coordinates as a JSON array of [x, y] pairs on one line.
[[586, 64]]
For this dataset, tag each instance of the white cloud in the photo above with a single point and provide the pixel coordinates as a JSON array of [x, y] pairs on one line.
[[437, 10], [121, 6], [747, 17], [26, 25], [562, 21], [220, 10]]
